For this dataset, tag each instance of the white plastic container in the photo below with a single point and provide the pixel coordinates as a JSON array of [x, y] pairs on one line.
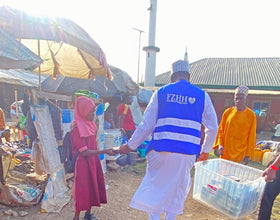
[[267, 157], [113, 138], [101, 146], [228, 187]]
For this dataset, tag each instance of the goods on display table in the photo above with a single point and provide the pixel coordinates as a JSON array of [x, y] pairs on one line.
[[20, 184]]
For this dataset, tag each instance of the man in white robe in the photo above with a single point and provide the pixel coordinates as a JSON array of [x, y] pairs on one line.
[[174, 118]]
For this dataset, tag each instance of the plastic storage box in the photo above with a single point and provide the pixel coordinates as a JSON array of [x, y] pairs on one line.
[[231, 188]]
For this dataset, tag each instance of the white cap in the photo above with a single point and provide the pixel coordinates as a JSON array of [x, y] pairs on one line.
[[242, 89], [181, 66]]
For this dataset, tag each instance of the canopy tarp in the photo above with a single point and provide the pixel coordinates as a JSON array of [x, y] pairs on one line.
[[14, 55], [20, 77], [64, 46], [121, 83]]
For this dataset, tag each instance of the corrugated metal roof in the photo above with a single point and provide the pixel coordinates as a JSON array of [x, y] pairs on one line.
[[228, 73], [251, 91]]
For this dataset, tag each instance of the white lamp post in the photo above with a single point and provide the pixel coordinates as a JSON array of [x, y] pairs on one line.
[[139, 48], [151, 50]]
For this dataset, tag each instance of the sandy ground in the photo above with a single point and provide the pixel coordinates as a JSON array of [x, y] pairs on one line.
[[121, 186]]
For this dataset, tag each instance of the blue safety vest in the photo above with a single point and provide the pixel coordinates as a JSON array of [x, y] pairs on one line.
[[178, 126]]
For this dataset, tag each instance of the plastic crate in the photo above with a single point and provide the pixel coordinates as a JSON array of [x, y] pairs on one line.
[[228, 187]]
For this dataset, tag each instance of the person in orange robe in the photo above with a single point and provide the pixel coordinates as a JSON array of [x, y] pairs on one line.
[[236, 136]]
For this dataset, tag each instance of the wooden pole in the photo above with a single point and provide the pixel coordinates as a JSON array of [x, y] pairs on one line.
[[16, 99], [39, 66]]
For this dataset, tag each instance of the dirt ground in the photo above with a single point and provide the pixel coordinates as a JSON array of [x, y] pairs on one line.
[[121, 186]]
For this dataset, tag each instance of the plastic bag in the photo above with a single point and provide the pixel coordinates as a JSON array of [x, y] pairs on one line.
[[20, 195], [56, 193]]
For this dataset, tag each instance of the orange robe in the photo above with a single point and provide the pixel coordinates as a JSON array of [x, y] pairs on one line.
[[237, 134]]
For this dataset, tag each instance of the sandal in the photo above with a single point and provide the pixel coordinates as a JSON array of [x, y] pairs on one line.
[[89, 217]]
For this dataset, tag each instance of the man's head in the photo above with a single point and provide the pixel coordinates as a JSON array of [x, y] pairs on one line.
[[127, 99], [240, 96], [115, 100], [180, 70]]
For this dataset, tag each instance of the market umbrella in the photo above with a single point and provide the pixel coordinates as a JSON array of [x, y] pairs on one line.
[[64, 46], [68, 85], [104, 87], [14, 55]]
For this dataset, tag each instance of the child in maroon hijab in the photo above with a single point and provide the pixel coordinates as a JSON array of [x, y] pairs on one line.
[[89, 186]]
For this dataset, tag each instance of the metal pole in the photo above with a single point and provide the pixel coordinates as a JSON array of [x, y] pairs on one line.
[[139, 49]]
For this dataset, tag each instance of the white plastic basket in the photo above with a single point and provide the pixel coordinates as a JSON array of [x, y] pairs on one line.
[[228, 187]]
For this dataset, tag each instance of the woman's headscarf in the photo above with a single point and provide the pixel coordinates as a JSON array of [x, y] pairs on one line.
[[83, 106]]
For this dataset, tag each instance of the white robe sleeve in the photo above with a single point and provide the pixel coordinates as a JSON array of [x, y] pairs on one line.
[[147, 126], [210, 122]]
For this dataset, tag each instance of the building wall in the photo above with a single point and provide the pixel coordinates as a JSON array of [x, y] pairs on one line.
[[265, 121], [265, 116]]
